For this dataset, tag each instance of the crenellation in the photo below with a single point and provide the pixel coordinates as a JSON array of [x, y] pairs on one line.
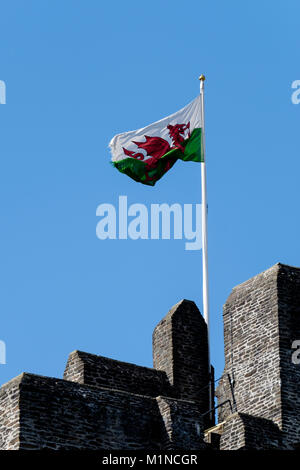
[[102, 403]]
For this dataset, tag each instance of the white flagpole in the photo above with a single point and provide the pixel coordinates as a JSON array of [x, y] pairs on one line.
[[204, 233]]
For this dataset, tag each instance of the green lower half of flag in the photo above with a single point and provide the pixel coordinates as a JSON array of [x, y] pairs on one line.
[[149, 173]]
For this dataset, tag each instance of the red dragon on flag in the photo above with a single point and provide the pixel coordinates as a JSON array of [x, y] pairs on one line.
[[146, 154], [156, 147]]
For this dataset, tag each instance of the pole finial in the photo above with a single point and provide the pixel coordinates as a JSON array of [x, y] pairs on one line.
[[202, 78]]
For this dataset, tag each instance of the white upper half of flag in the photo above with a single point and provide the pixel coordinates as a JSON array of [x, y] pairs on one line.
[[189, 114]]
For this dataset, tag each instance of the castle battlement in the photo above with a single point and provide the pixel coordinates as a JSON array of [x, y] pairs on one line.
[[102, 403]]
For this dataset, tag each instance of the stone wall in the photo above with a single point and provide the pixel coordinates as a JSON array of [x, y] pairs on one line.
[[251, 339], [108, 404], [56, 414], [245, 432], [43, 413], [289, 330], [9, 415], [101, 371], [183, 424], [261, 320], [180, 349]]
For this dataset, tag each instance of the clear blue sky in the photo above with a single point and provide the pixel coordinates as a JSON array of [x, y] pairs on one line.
[[77, 72]]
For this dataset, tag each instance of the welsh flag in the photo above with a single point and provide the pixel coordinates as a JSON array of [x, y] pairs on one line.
[[147, 154]]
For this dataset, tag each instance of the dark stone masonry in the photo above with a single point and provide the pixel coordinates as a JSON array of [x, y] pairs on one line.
[[105, 404]]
